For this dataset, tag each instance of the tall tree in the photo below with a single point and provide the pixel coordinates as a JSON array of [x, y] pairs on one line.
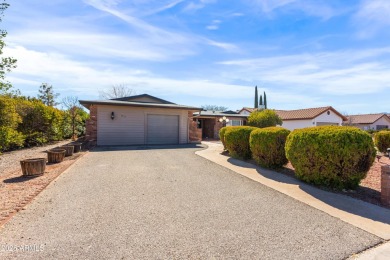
[[261, 101], [72, 106], [6, 63], [265, 101], [116, 91], [256, 98], [47, 95]]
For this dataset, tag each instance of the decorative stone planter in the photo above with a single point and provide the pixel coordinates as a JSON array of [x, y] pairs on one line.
[[56, 155], [33, 167], [77, 147], [69, 149]]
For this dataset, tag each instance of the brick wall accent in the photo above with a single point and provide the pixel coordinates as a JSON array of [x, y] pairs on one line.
[[218, 125], [194, 133], [385, 185], [91, 126]]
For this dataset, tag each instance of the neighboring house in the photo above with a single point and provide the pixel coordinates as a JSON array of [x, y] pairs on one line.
[[369, 121], [208, 122], [137, 120], [301, 118], [246, 111]]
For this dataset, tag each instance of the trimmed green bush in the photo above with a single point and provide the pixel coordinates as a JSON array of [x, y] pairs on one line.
[[10, 138], [264, 118], [267, 146], [237, 141], [333, 156], [222, 135], [382, 140]]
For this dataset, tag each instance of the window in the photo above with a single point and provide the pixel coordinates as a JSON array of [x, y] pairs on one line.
[[235, 122], [380, 127]]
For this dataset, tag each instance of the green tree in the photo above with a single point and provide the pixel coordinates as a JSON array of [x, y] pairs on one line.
[[256, 98], [264, 118], [265, 101], [47, 95], [6, 63], [261, 100]]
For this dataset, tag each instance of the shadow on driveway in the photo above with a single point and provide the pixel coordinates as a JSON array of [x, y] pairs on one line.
[[339, 201]]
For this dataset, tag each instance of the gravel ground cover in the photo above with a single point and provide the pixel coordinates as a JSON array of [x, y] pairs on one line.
[[10, 161], [369, 189], [124, 203], [15, 190]]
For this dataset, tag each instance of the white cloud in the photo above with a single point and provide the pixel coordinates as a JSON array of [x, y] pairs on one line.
[[372, 17], [84, 79], [321, 9], [163, 7], [214, 25], [156, 34], [338, 73], [196, 5]]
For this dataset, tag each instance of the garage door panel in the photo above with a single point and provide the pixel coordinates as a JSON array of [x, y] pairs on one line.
[[162, 129]]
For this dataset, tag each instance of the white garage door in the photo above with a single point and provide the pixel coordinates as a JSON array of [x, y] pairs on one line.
[[162, 129]]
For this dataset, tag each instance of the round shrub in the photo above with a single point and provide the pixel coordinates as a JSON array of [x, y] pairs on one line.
[[267, 146], [382, 140], [237, 141], [222, 135], [264, 118], [334, 156]]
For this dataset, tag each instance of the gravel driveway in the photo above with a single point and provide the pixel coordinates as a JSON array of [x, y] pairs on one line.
[[170, 203]]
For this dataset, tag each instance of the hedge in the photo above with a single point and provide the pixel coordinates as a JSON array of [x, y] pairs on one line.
[[267, 146], [222, 135], [28, 122], [382, 140], [334, 156], [10, 139], [237, 141]]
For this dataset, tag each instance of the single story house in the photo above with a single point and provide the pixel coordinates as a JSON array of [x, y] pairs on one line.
[[319, 116], [369, 121], [301, 118], [246, 111], [138, 120], [209, 122]]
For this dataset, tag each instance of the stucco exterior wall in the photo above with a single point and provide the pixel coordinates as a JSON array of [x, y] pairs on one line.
[[381, 121], [331, 118], [321, 119], [295, 124]]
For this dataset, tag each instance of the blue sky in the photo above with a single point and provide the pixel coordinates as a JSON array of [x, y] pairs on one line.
[[303, 53]]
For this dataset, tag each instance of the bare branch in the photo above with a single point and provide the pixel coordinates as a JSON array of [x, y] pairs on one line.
[[116, 91], [214, 107]]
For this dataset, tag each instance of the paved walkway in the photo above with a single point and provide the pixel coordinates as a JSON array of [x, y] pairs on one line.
[[170, 203]]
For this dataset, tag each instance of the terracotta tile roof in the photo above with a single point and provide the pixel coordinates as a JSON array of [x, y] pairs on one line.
[[249, 109], [365, 119], [308, 113]]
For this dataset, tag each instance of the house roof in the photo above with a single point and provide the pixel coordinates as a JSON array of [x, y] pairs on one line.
[[308, 113], [366, 118], [151, 101], [151, 98], [211, 113], [249, 109]]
